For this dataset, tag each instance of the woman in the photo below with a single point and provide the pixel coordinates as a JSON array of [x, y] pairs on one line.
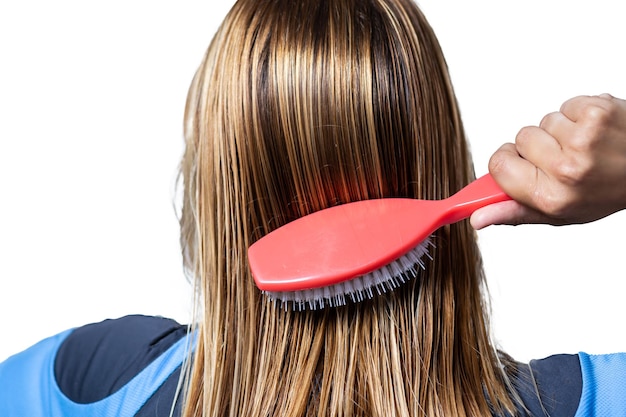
[[296, 107], [299, 106]]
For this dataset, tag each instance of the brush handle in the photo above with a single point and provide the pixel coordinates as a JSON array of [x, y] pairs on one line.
[[479, 193]]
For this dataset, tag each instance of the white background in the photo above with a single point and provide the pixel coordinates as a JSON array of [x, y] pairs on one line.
[[91, 104]]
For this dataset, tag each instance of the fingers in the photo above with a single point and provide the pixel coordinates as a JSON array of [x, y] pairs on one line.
[[517, 176], [571, 168], [534, 143], [586, 108], [530, 182]]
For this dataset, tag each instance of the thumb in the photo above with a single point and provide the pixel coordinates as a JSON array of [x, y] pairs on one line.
[[507, 212]]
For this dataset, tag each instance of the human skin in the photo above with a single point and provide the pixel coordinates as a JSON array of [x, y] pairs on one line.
[[570, 169]]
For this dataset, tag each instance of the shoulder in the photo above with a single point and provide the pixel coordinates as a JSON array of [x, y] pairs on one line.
[[573, 385], [96, 360], [123, 367], [604, 384], [550, 386]]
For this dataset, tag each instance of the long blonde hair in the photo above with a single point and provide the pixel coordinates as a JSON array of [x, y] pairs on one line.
[[298, 106]]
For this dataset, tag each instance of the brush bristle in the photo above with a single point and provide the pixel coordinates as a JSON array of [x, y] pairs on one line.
[[380, 281]]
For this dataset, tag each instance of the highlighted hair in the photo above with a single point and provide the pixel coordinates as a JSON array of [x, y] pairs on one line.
[[298, 106]]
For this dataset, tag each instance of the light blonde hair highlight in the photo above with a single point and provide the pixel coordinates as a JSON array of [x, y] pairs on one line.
[[298, 106]]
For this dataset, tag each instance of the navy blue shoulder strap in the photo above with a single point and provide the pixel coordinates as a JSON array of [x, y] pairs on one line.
[[550, 387], [111, 368], [98, 359]]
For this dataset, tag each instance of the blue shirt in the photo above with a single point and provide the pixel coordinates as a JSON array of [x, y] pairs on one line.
[[123, 368], [130, 367]]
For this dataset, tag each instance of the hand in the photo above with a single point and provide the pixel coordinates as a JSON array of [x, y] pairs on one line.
[[569, 169]]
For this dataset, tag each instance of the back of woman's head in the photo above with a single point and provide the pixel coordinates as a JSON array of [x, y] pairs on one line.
[[302, 105]]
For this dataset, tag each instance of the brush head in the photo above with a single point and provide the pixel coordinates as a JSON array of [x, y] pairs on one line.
[[344, 253], [340, 243], [382, 280], [352, 251]]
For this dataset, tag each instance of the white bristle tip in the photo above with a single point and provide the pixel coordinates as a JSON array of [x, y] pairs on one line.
[[378, 282]]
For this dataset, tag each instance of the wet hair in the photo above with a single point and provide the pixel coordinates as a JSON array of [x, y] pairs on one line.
[[302, 105]]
